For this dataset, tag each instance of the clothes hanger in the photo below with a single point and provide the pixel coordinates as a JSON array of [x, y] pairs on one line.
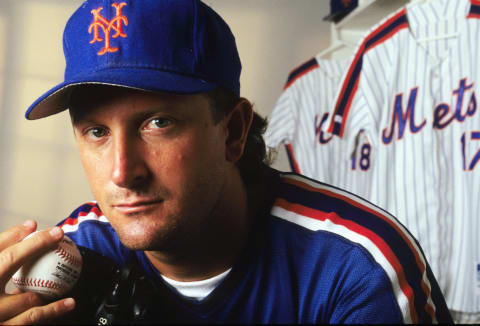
[[413, 3], [336, 45], [439, 37]]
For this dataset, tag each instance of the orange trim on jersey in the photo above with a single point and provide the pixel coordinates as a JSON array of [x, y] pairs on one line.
[[344, 85], [474, 15], [387, 36], [349, 104], [377, 240], [474, 9], [477, 16], [303, 73], [361, 49], [364, 48], [291, 156], [421, 266]]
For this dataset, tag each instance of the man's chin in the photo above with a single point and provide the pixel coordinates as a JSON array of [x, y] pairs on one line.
[[143, 244], [152, 233], [139, 236]]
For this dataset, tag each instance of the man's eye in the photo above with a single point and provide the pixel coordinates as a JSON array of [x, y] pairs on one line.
[[159, 123], [96, 132]]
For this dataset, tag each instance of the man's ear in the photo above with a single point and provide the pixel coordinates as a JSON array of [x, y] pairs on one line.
[[238, 123]]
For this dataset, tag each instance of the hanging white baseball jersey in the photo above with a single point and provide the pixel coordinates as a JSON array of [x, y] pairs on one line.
[[297, 121], [412, 88]]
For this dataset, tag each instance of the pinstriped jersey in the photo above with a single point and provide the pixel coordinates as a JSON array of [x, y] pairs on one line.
[[315, 254], [297, 121], [412, 87]]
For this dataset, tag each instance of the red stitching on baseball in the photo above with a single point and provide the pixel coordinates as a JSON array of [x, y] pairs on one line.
[[22, 281], [68, 257]]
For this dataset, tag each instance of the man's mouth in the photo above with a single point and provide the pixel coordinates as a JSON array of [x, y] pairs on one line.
[[136, 206]]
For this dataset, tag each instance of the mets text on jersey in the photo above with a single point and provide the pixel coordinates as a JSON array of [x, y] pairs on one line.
[[443, 116]]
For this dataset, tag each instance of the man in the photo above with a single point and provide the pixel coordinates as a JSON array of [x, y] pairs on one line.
[[176, 163]]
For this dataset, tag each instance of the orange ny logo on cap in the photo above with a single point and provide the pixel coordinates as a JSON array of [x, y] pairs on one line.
[[99, 22], [346, 3]]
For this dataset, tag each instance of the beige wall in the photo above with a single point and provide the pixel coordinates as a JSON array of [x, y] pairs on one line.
[[40, 173]]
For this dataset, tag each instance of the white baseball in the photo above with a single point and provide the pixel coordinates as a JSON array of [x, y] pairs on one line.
[[52, 274]]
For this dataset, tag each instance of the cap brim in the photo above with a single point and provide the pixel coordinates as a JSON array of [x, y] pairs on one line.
[[336, 17], [57, 99]]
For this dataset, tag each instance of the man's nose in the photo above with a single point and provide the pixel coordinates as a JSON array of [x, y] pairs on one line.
[[129, 168]]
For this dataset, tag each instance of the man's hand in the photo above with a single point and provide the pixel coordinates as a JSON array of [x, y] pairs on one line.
[[27, 308]]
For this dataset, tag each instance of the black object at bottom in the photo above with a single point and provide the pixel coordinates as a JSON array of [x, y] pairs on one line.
[[106, 294]]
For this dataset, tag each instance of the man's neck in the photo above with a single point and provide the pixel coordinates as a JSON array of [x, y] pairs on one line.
[[203, 261], [220, 245]]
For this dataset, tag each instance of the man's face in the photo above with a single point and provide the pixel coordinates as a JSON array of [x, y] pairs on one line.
[[156, 163]]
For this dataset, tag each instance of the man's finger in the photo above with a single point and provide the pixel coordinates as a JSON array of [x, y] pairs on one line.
[[16, 234], [15, 291], [15, 256], [43, 314], [13, 305]]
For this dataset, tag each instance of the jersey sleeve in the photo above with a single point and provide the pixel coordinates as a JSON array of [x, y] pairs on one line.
[[285, 125], [300, 113], [89, 228], [281, 125], [369, 299], [381, 241]]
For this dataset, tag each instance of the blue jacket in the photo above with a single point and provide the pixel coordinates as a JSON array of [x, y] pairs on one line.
[[318, 254]]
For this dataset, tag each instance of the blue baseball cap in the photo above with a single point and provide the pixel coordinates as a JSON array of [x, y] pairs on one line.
[[339, 9], [179, 46]]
